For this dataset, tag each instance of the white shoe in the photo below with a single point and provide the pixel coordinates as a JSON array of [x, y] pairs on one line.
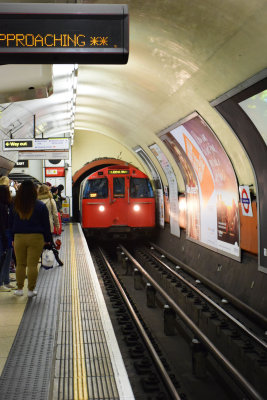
[[18, 292], [32, 293], [4, 288]]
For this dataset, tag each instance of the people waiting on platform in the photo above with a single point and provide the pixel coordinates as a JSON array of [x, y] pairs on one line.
[[6, 249], [4, 180], [60, 189], [13, 186], [45, 196], [54, 191], [31, 230]]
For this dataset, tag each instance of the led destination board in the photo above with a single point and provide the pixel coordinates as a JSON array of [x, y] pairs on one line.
[[118, 171], [64, 33]]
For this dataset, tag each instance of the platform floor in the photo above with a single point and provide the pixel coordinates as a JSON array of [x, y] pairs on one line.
[[61, 344]]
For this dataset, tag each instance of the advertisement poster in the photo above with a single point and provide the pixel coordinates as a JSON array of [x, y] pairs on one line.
[[160, 207], [157, 183], [173, 190], [210, 177], [191, 185]]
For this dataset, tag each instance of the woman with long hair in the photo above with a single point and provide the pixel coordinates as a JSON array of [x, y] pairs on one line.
[[46, 197], [6, 210], [31, 231]]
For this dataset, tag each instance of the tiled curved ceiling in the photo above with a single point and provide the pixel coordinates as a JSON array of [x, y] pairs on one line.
[[182, 55]]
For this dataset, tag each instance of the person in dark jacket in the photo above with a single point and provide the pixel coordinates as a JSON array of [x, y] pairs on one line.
[[31, 229], [60, 189], [54, 191], [5, 238]]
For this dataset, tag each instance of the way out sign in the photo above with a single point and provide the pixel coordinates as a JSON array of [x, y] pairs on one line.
[[245, 201]]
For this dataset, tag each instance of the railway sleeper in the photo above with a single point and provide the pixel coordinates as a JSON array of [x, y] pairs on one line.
[[248, 361], [150, 381]]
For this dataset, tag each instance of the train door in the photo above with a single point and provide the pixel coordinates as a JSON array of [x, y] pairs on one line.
[[119, 200]]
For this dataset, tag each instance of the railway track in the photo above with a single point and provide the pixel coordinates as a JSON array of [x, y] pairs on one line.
[[143, 356], [222, 338]]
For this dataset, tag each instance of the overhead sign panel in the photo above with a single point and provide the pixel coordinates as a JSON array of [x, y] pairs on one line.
[[44, 155], [17, 144], [36, 144], [64, 33]]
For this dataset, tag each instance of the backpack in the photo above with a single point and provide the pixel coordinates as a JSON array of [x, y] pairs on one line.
[[48, 259]]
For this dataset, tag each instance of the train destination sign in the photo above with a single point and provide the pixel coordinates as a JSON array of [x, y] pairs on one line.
[[118, 171], [64, 33]]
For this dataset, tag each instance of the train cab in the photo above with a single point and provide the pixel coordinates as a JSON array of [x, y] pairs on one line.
[[117, 200]]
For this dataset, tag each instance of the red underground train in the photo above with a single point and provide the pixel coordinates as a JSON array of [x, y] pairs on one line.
[[117, 200]]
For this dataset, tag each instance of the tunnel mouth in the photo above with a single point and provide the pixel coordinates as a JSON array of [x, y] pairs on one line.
[[88, 169]]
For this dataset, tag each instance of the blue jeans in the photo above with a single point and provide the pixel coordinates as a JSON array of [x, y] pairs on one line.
[[4, 270]]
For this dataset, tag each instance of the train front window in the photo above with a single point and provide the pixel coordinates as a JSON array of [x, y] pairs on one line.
[[140, 187], [96, 189], [118, 187]]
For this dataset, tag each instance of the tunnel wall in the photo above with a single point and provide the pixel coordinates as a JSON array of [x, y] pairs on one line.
[[90, 145], [255, 147]]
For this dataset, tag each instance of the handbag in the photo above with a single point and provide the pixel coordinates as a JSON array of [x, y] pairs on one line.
[[60, 225], [48, 259]]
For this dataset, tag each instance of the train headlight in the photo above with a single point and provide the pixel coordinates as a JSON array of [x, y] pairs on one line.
[[136, 207], [101, 208]]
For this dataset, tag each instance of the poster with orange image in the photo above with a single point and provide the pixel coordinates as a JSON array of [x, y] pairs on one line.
[[217, 185], [191, 185]]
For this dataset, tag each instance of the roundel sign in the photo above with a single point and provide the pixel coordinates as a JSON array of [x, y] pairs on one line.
[[245, 201]]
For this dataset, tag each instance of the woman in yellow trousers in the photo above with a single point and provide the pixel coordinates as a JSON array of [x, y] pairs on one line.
[[31, 230]]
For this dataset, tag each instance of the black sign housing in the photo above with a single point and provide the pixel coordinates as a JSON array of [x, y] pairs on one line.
[[64, 33], [22, 164]]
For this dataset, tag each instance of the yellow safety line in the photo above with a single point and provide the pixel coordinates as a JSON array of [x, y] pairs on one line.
[[79, 369]]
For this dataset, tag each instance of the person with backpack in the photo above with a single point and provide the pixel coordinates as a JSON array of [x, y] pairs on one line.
[[46, 197]]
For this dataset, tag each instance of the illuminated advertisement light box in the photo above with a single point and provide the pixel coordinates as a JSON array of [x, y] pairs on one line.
[[64, 33]]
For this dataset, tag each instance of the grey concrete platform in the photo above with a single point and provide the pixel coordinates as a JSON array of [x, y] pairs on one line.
[[65, 346]]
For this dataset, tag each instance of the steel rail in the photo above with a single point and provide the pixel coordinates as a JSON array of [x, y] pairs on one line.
[[209, 300], [226, 364], [261, 319], [156, 358]]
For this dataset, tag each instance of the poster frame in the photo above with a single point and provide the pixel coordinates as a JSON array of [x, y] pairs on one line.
[[174, 222], [169, 129], [154, 173]]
